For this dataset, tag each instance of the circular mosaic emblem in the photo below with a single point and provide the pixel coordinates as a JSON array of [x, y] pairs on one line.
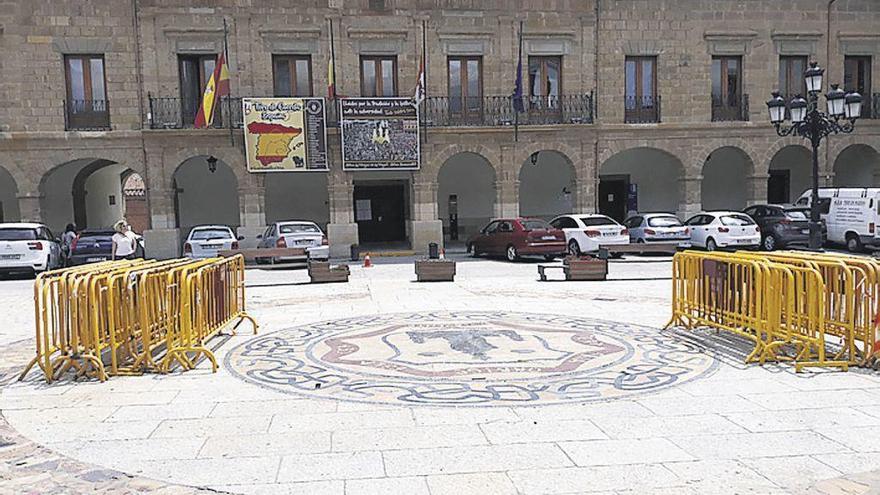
[[468, 358]]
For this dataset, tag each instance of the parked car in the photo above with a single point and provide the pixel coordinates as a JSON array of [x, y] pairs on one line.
[[585, 233], [806, 211], [295, 234], [95, 245], [712, 230], [852, 215], [206, 241], [516, 237], [781, 226], [656, 228], [28, 248]]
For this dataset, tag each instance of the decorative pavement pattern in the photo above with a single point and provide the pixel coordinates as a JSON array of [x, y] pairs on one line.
[[469, 358]]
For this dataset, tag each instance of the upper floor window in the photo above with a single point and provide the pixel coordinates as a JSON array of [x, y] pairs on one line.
[[292, 75], [791, 76], [857, 77], [195, 71], [545, 76], [727, 99], [379, 76], [465, 85], [86, 105], [640, 98]]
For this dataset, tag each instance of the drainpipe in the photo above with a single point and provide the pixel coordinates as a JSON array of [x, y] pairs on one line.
[[595, 104], [139, 77], [827, 72]]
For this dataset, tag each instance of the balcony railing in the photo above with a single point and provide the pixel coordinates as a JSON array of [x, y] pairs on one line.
[[86, 115], [436, 111], [641, 109], [726, 109]]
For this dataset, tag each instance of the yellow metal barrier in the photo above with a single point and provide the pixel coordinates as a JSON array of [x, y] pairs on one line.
[[127, 317]]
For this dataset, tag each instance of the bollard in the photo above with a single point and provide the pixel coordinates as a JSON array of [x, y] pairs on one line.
[[355, 252], [433, 251]]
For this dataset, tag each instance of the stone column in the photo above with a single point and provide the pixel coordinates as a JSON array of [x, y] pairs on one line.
[[757, 185], [342, 231], [29, 207], [426, 226], [689, 202], [252, 213], [162, 240], [507, 198]]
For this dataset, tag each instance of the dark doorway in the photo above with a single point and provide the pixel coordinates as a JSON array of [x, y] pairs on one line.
[[613, 196], [380, 212], [778, 187]]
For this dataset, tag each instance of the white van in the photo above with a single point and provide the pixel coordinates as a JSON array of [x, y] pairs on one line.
[[851, 214]]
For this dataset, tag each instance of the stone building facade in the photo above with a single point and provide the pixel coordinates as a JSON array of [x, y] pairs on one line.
[[632, 105]]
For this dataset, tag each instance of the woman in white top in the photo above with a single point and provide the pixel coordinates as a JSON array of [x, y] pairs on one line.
[[124, 241]]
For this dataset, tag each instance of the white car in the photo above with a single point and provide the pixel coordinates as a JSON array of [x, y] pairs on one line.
[[206, 241], [28, 248], [295, 234], [712, 230], [656, 228], [585, 233]]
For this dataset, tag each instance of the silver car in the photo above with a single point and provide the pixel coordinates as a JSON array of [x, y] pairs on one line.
[[295, 234], [656, 227], [206, 241]]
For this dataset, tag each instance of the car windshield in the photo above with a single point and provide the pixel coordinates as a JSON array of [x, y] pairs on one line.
[[299, 228], [17, 234], [594, 221], [795, 215], [535, 225], [736, 220], [669, 221], [208, 234]]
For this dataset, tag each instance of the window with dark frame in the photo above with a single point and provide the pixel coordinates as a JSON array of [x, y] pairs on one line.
[[194, 73], [545, 79], [379, 75], [292, 75], [727, 99], [791, 76], [465, 85], [640, 96], [86, 105], [857, 77]]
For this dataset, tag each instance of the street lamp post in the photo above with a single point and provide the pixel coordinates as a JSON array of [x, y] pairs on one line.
[[810, 123]]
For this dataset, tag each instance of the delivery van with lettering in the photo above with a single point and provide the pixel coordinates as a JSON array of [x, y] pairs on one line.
[[852, 215]]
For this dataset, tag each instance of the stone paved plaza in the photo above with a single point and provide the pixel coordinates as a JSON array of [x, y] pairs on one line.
[[496, 383]]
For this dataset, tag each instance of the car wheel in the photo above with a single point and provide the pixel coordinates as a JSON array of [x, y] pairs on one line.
[[853, 243], [710, 244], [512, 255], [574, 248], [769, 243], [473, 251]]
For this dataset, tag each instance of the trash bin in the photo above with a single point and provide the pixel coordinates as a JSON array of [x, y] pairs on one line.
[[433, 251], [355, 252]]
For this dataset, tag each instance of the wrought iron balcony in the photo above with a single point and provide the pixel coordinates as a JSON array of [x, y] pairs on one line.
[[641, 109], [725, 109], [436, 111], [86, 115]]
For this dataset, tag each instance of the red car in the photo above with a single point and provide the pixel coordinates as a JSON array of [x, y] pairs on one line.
[[515, 237]]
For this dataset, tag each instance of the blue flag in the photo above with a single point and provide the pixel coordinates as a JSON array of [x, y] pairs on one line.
[[518, 89]]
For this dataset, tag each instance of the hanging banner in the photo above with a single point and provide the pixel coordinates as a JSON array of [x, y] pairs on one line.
[[285, 134], [380, 134]]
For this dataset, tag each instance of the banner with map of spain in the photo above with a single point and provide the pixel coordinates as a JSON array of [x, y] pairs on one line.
[[285, 134]]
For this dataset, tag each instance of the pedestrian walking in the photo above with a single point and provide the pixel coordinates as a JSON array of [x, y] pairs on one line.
[[67, 239], [124, 241]]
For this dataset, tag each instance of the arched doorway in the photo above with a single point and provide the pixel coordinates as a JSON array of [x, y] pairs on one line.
[[465, 195], [639, 180], [547, 185], [857, 165], [205, 197], [790, 172], [9, 211], [134, 196], [725, 179], [297, 196], [86, 192]]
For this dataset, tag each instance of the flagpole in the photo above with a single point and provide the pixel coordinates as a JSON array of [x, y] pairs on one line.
[[518, 75], [425, 75], [229, 96]]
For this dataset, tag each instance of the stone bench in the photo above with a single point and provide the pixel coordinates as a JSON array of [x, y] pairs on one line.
[[321, 272], [435, 270]]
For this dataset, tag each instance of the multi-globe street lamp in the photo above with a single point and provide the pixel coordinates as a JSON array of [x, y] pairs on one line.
[[810, 123]]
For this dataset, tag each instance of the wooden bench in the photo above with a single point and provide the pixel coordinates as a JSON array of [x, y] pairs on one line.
[[578, 269], [606, 250], [435, 270], [253, 253], [321, 272]]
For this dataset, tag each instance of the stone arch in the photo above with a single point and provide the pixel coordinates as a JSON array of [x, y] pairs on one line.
[[85, 191], [203, 197], [232, 158], [762, 166], [297, 196], [725, 179], [790, 172], [548, 187], [470, 178], [857, 165], [656, 173], [9, 209], [440, 158]]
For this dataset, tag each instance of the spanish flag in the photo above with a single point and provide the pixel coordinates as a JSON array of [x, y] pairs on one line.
[[217, 87]]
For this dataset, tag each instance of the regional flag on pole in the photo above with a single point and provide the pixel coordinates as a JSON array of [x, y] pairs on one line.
[[331, 66], [217, 87], [419, 93]]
